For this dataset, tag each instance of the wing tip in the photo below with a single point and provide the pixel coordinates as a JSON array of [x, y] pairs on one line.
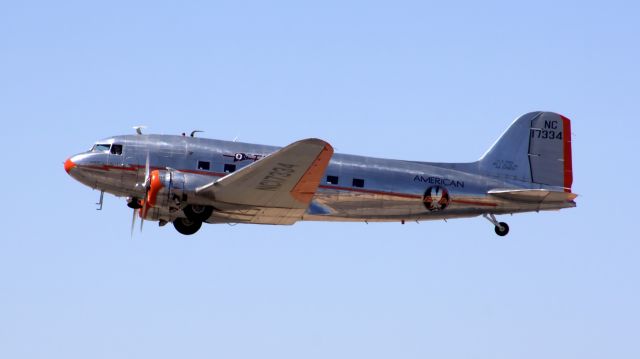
[[319, 142], [308, 184]]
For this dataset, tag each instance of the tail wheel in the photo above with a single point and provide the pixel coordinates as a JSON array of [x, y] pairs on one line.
[[187, 226], [502, 229], [197, 212]]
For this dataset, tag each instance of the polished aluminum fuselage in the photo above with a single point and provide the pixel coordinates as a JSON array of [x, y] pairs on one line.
[[393, 190]]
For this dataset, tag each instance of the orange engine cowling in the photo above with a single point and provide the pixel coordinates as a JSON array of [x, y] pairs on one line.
[[169, 191], [165, 191], [155, 187]]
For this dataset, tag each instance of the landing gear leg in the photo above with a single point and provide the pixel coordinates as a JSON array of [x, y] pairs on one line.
[[501, 228]]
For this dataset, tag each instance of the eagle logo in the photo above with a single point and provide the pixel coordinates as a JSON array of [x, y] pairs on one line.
[[436, 198]]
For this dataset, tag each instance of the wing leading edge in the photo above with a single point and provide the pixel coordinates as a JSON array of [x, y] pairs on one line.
[[277, 189]]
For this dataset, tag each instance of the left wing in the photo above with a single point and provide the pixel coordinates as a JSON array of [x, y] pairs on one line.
[[276, 189]]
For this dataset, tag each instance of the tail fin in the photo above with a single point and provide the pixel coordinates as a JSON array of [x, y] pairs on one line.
[[536, 148]]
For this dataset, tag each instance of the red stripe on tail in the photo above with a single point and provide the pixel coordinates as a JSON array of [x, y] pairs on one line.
[[568, 162]]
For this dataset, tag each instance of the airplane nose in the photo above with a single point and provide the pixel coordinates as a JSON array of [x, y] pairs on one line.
[[69, 165]]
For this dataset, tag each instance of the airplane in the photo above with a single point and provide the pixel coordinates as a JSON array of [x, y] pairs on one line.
[[188, 180]]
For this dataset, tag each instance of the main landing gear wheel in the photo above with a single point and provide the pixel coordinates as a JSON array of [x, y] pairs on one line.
[[501, 228], [197, 212], [186, 226]]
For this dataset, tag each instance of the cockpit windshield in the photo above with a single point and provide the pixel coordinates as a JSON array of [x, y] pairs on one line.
[[101, 147]]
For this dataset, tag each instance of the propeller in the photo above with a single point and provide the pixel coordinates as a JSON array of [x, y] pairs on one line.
[[147, 185], [142, 212], [153, 184], [133, 220]]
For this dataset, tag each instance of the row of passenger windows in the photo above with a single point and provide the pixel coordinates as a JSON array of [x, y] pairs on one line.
[[206, 166], [230, 168], [357, 182], [116, 149]]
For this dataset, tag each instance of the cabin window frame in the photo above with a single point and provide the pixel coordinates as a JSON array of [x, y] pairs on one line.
[[204, 165], [229, 168], [334, 180], [358, 183]]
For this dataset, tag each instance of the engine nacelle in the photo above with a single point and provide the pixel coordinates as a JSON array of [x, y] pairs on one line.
[[166, 189], [174, 189]]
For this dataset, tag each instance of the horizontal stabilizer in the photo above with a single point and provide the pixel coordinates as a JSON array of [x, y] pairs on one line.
[[533, 195]]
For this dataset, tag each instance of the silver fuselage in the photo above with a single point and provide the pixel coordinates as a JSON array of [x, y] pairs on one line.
[[354, 188]]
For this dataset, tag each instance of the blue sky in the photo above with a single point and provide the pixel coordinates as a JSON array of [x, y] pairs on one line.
[[412, 80]]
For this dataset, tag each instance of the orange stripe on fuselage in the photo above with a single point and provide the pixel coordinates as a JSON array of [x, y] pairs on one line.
[[358, 190], [107, 168]]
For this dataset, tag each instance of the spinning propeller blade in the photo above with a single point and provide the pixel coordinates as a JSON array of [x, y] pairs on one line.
[[147, 169], [133, 221], [142, 212], [147, 184]]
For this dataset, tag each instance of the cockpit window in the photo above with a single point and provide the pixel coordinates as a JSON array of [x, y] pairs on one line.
[[101, 147], [116, 149]]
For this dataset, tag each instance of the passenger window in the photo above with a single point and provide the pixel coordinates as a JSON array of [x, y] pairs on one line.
[[332, 179], [357, 182], [228, 168], [116, 150], [204, 165]]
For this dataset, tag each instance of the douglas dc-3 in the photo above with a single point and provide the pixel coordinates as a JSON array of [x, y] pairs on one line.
[[187, 180]]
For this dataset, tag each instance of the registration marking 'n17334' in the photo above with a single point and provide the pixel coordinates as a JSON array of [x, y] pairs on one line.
[[276, 177], [551, 131]]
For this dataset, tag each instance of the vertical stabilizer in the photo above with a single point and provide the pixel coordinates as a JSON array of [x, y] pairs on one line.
[[535, 148]]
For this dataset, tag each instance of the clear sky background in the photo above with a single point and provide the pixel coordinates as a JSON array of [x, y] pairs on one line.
[[431, 81]]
